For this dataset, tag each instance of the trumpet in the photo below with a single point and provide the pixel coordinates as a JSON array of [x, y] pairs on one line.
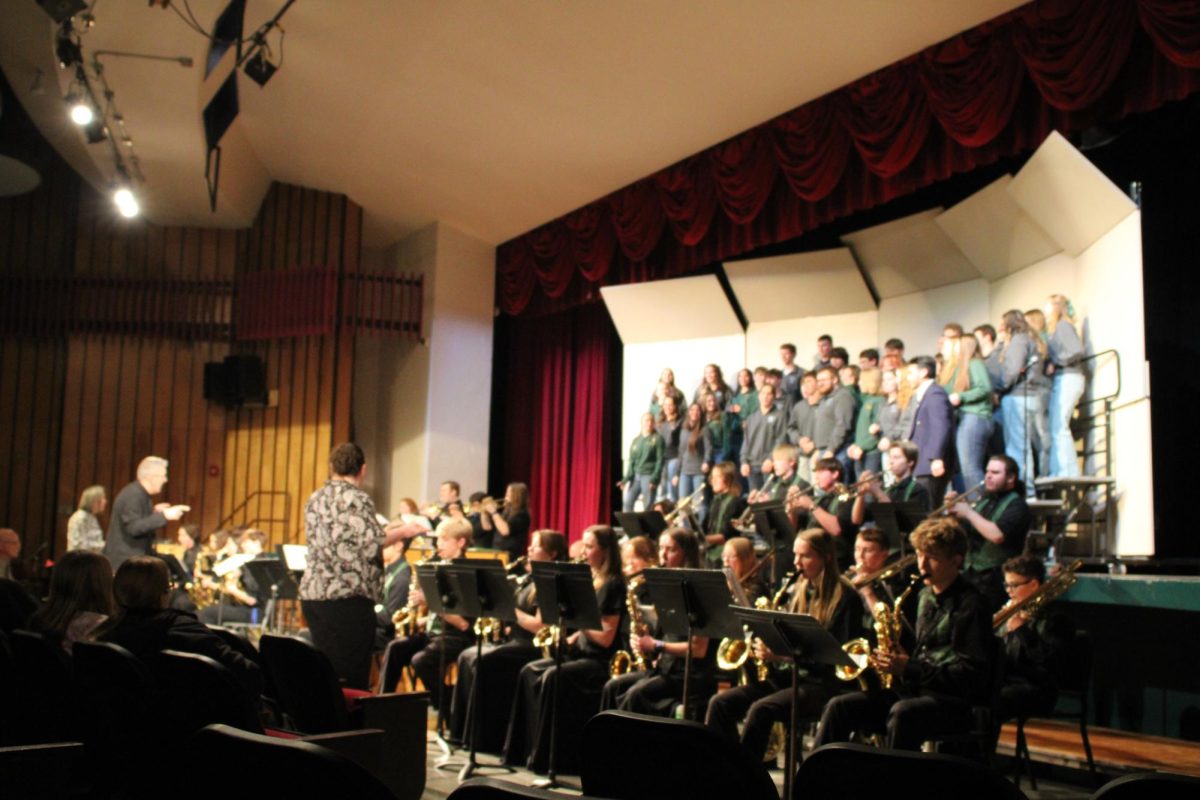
[[859, 487], [965, 497], [747, 517], [1033, 604]]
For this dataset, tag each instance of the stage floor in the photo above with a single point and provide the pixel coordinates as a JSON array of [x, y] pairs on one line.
[[1115, 752]]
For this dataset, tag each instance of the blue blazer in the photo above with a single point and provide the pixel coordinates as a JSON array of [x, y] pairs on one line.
[[933, 430]]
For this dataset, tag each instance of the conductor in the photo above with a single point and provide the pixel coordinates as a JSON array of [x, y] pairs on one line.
[[136, 518]]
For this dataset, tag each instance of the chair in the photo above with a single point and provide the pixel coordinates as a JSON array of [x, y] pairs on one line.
[[495, 789], [853, 771], [199, 691], [1159, 785], [310, 695], [43, 710], [689, 760], [120, 713], [264, 766], [1077, 686], [49, 771]]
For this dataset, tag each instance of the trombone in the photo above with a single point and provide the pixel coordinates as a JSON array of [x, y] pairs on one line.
[[945, 507], [684, 506]]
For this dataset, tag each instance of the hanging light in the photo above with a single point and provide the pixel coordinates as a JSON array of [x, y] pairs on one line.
[[80, 111], [126, 202]]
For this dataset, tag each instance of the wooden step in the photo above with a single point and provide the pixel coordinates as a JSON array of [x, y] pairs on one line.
[[1058, 743]]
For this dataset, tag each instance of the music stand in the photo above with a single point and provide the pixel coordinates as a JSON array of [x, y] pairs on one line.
[[909, 515], [885, 518], [273, 572], [179, 574], [566, 599], [691, 602], [641, 523], [800, 636], [483, 590], [772, 523], [439, 594]]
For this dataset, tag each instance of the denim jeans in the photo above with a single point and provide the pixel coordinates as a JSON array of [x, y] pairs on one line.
[[1064, 395], [971, 442], [1041, 433], [667, 487], [639, 485], [1016, 410]]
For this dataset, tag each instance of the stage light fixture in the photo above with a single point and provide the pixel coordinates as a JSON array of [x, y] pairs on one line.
[[62, 10], [126, 202], [95, 131], [66, 48], [80, 110], [259, 69]]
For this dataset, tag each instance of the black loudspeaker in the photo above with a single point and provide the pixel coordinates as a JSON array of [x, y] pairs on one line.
[[236, 381], [62, 10]]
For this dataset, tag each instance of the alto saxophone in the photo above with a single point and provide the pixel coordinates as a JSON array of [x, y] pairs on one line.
[[624, 661], [889, 625]]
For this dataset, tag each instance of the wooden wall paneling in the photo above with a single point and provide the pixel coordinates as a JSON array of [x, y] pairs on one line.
[[91, 393], [10, 357], [18, 482], [344, 374], [309, 457], [282, 506], [70, 433], [58, 512]]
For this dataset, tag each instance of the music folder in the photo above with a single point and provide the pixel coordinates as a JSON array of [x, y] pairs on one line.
[[692, 602], [797, 635], [566, 597], [482, 588], [643, 523]]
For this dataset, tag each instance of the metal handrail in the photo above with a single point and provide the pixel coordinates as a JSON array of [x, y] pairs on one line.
[[1093, 357], [287, 505]]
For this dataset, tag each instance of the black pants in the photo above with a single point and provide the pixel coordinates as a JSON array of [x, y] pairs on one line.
[[762, 705], [528, 741], [643, 693], [501, 664], [907, 721], [431, 664], [1022, 699], [344, 630]]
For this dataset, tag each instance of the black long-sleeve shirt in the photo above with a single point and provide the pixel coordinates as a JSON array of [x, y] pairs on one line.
[[954, 643], [132, 525]]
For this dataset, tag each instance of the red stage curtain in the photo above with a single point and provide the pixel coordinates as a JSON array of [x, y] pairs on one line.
[[993, 91], [558, 412]]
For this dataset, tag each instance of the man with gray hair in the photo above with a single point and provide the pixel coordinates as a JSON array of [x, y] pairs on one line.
[[135, 518]]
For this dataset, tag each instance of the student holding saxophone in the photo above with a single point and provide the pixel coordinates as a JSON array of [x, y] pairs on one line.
[[948, 670], [821, 591]]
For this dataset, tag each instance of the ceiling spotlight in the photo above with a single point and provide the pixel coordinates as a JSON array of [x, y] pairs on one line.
[[81, 111], [126, 202], [258, 69]]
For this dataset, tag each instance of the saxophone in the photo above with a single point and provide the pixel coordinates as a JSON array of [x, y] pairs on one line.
[[624, 661], [889, 625]]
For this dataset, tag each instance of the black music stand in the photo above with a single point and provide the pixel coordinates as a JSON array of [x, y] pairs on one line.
[[179, 574], [800, 636], [273, 572], [692, 602], [641, 523], [567, 599], [483, 591], [909, 515], [772, 523], [885, 519], [441, 598]]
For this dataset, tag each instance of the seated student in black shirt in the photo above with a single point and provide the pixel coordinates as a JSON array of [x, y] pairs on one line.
[[901, 459], [1035, 647], [949, 668], [659, 688], [448, 633], [823, 593], [827, 508], [997, 525]]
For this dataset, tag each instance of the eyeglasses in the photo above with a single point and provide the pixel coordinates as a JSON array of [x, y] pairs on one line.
[[1010, 586]]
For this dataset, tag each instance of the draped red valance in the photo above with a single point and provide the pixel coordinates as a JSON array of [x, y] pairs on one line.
[[993, 91]]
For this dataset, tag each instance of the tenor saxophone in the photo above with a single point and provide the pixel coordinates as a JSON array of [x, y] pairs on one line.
[[624, 661]]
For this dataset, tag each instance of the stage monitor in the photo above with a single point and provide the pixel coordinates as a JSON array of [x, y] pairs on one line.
[[226, 33], [221, 111]]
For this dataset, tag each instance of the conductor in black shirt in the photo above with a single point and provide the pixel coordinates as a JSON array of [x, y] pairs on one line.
[[135, 517]]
